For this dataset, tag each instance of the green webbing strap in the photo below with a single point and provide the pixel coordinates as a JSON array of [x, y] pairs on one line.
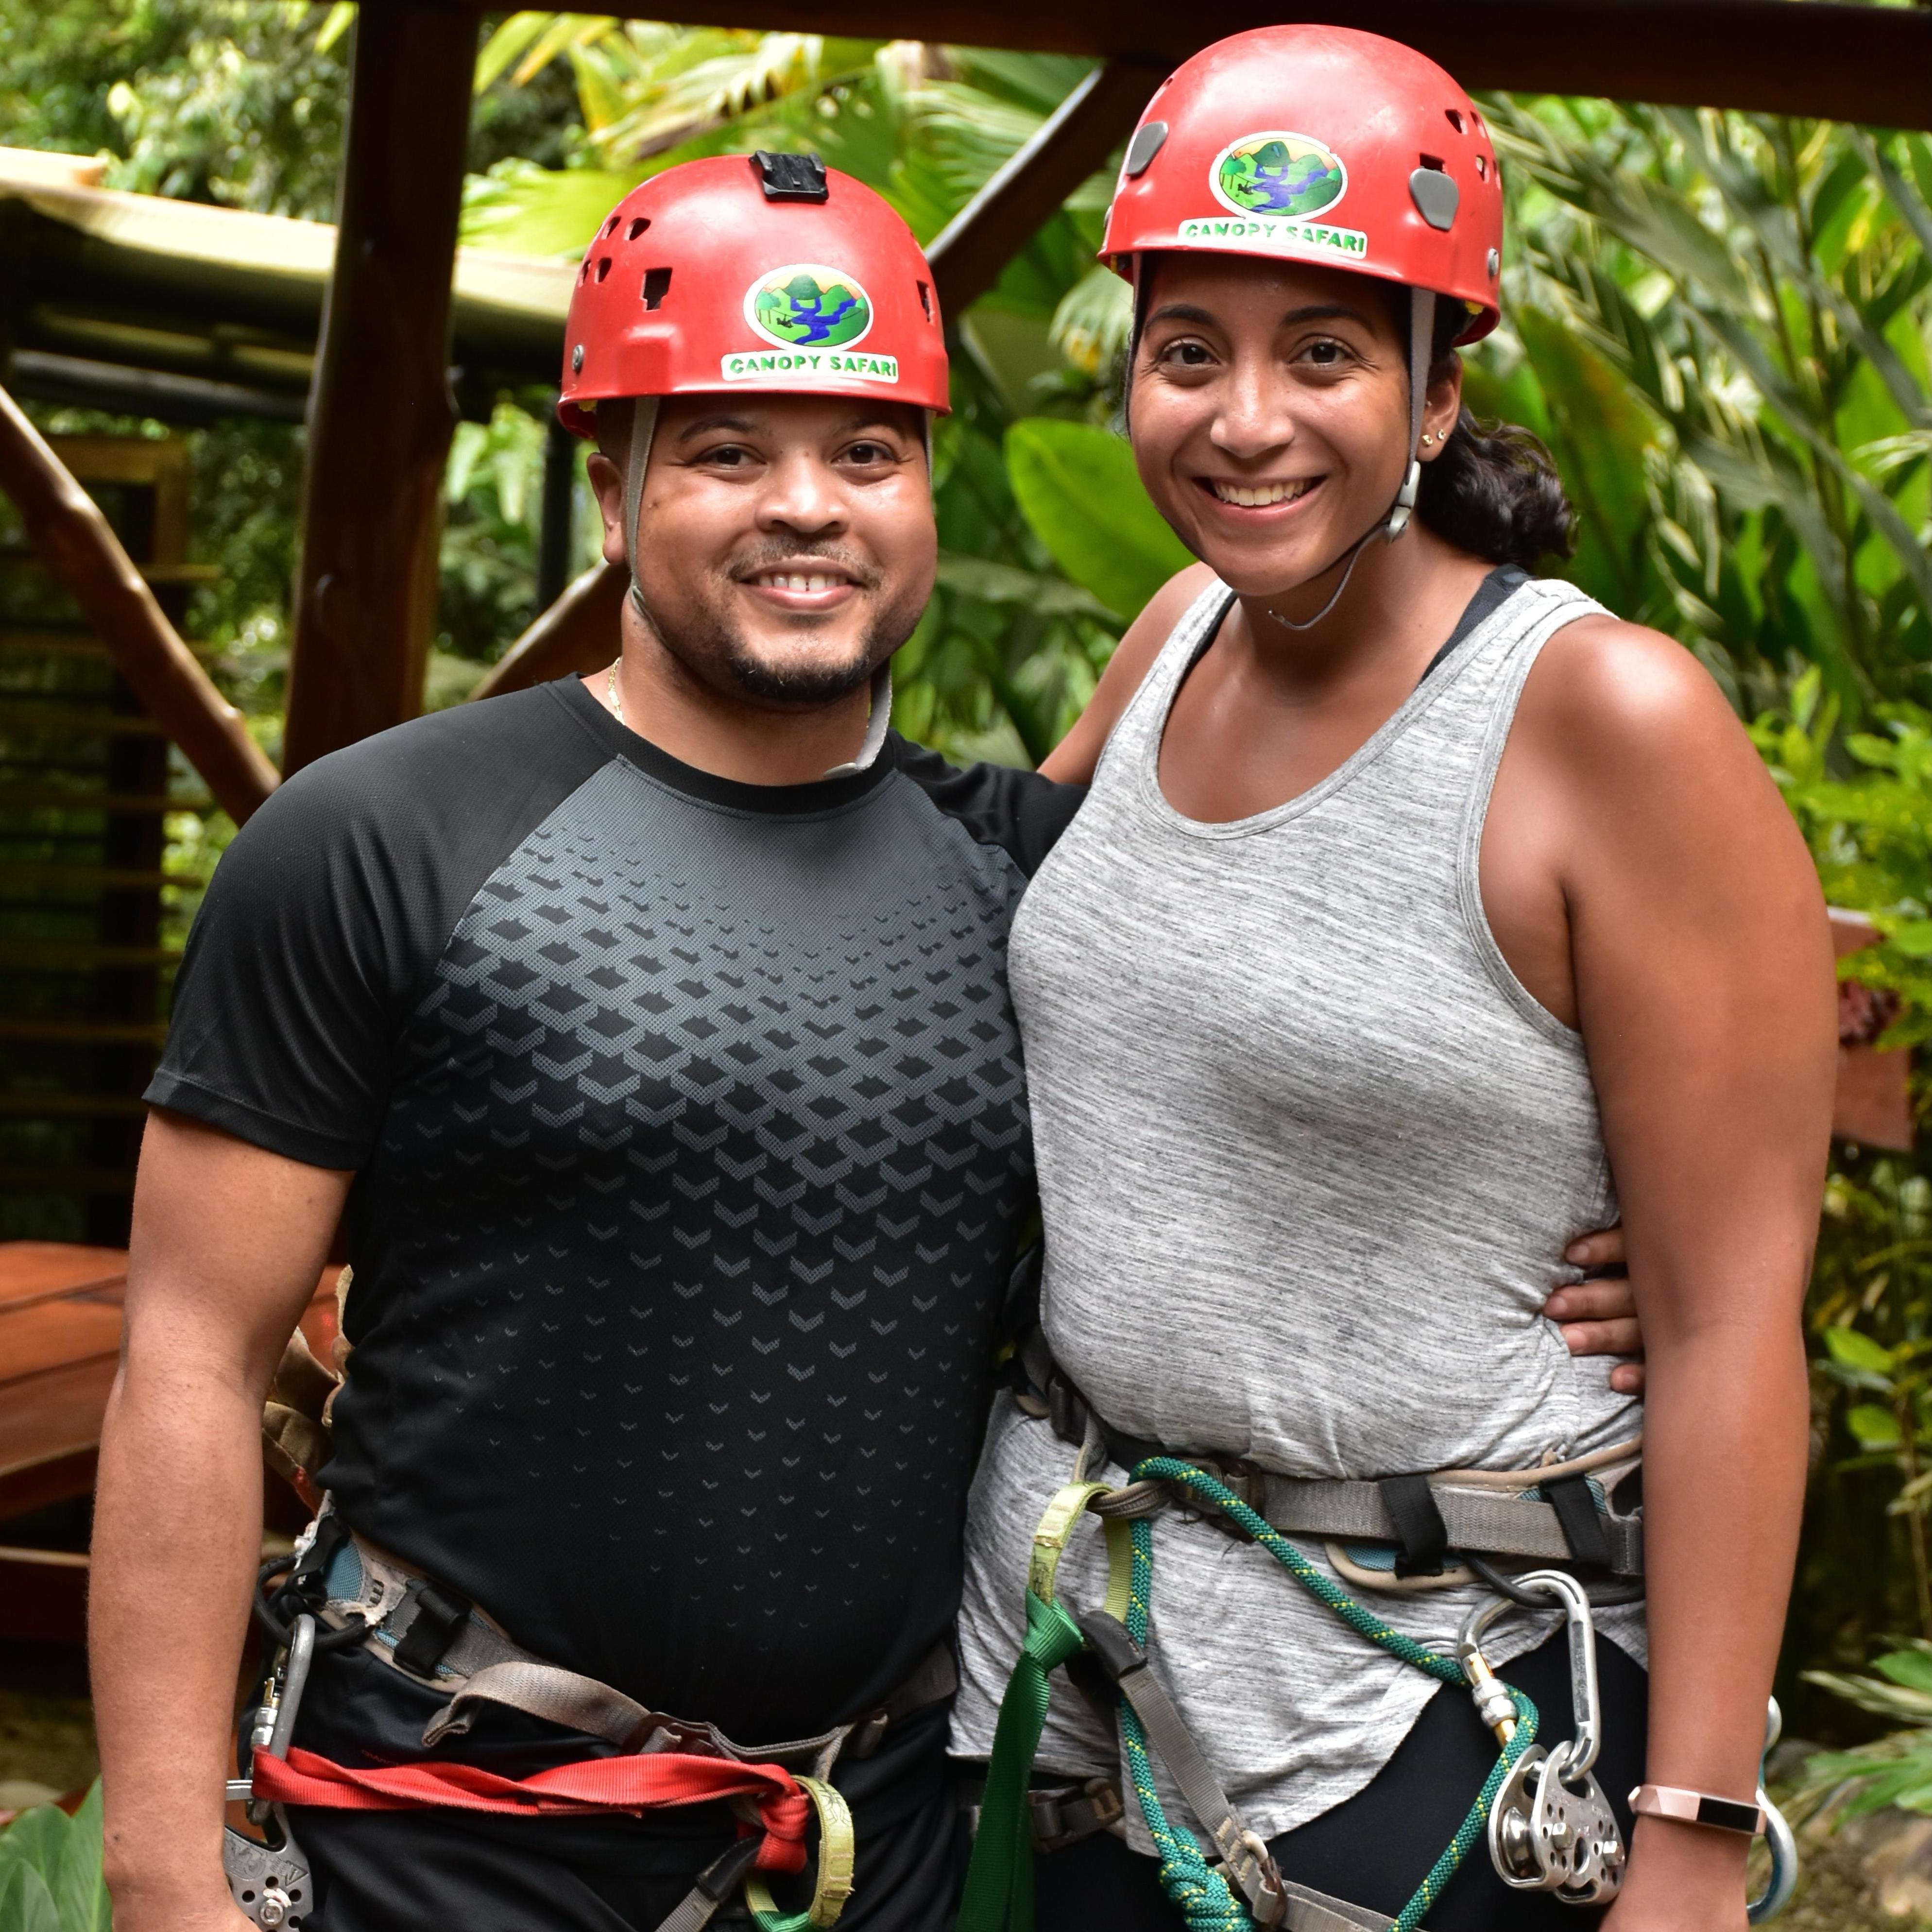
[[1195, 1887], [999, 1883]]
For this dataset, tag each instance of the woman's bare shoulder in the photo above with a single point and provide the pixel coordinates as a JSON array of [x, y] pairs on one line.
[[1072, 760]]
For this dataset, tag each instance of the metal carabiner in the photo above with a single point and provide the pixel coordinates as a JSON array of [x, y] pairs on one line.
[[1550, 1828], [1778, 1837], [270, 1883]]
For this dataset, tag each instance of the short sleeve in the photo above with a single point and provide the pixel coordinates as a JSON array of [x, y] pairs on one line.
[[321, 931], [286, 1002]]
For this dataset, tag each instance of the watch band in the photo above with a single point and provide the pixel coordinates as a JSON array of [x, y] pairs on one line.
[[1697, 1807]]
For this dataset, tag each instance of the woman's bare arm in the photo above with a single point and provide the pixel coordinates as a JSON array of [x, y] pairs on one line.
[[1703, 984], [228, 1243]]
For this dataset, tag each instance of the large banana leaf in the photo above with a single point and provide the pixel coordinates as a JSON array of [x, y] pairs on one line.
[[1079, 491]]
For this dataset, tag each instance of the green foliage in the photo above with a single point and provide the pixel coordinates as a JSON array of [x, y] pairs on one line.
[[50, 1870], [1759, 288], [1078, 489], [1870, 829]]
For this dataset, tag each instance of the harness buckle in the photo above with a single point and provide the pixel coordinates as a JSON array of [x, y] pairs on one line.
[[440, 1613]]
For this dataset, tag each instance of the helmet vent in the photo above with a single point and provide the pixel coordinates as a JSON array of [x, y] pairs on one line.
[[925, 299], [603, 266], [1453, 115], [610, 226], [1148, 138], [1482, 167], [639, 224], [657, 286]]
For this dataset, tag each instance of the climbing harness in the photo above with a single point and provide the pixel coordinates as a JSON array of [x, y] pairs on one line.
[[1541, 1813], [345, 1593], [999, 1886]]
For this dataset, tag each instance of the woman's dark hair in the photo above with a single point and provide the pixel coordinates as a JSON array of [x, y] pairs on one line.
[[1494, 491]]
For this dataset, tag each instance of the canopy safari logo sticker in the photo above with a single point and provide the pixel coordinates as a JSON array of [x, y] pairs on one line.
[[1272, 182], [1278, 173], [807, 306], [813, 316]]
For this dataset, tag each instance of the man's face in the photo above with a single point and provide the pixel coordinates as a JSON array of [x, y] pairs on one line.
[[787, 545]]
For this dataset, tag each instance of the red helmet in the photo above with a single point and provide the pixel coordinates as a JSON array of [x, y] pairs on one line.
[[752, 272], [1324, 145]]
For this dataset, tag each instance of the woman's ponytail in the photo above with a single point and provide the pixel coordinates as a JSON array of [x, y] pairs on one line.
[[1495, 491]]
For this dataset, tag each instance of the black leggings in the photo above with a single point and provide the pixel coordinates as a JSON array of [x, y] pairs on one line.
[[1378, 1846]]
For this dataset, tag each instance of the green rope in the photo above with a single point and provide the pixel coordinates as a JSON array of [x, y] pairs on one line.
[[1202, 1894]]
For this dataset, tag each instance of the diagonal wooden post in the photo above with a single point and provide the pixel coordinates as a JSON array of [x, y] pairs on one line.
[[380, 413], [999, 221], [65, 526], [579, 632]]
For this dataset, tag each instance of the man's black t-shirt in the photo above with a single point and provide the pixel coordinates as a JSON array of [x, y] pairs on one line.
[[692, 1148]]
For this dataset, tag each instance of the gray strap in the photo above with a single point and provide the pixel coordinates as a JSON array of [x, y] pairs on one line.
[[1312, 1911], [1485, 1521], [545, 1690], [876, 724], [1126, 1664], [715, 1884]]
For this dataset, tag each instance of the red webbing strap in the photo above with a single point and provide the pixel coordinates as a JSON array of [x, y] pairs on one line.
[[660, 1779]]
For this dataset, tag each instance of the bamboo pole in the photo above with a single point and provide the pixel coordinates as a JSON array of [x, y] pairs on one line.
[[578, 633], [65, 526]]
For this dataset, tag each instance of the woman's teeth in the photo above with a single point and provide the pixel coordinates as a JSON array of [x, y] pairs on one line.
[[798, 580], [1259, 495]]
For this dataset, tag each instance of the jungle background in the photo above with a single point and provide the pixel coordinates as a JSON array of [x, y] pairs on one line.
[[1720, 323]]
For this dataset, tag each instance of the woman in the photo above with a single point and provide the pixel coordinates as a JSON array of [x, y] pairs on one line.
[[1415, 902]]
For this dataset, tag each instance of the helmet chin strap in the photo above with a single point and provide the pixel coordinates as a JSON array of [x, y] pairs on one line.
[[1421, 343], [643, 426]]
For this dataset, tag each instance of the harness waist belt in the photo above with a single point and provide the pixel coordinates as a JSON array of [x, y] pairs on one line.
[[1485, 1520], [427, 1632], [1556, 1514]]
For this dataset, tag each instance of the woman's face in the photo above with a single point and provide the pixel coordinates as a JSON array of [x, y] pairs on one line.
[[1269, 411]]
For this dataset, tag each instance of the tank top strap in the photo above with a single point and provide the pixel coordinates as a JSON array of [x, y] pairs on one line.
[[1145, 716]]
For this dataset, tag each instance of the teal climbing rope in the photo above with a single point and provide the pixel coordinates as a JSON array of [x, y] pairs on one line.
[[1199, 1891]]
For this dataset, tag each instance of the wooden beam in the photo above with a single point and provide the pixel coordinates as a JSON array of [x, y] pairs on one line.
[[381, 413], [992, 228], [577, 633], [1840, 62], [65, 526]]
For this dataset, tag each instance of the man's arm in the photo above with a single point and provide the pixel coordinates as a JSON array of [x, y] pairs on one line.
[[1704, 989], [228, 1243]]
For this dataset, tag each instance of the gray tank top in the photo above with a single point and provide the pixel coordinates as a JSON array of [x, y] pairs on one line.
[[1309, 1154]]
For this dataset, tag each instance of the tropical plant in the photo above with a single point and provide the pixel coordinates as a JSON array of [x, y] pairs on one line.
[[1726, 316], [50, 1870]]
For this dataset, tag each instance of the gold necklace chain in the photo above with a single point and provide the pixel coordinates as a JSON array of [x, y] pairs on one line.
[[616, 696]]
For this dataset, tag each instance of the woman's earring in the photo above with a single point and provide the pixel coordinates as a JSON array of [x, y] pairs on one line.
[[1427, 438]]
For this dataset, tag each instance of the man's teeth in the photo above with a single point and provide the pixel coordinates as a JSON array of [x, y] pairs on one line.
[[1261, 494], [798, 580]]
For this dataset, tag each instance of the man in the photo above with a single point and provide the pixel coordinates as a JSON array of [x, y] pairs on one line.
[[651, 1032]]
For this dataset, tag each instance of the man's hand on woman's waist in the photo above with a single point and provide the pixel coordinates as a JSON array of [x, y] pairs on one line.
[[1598, 1317]]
